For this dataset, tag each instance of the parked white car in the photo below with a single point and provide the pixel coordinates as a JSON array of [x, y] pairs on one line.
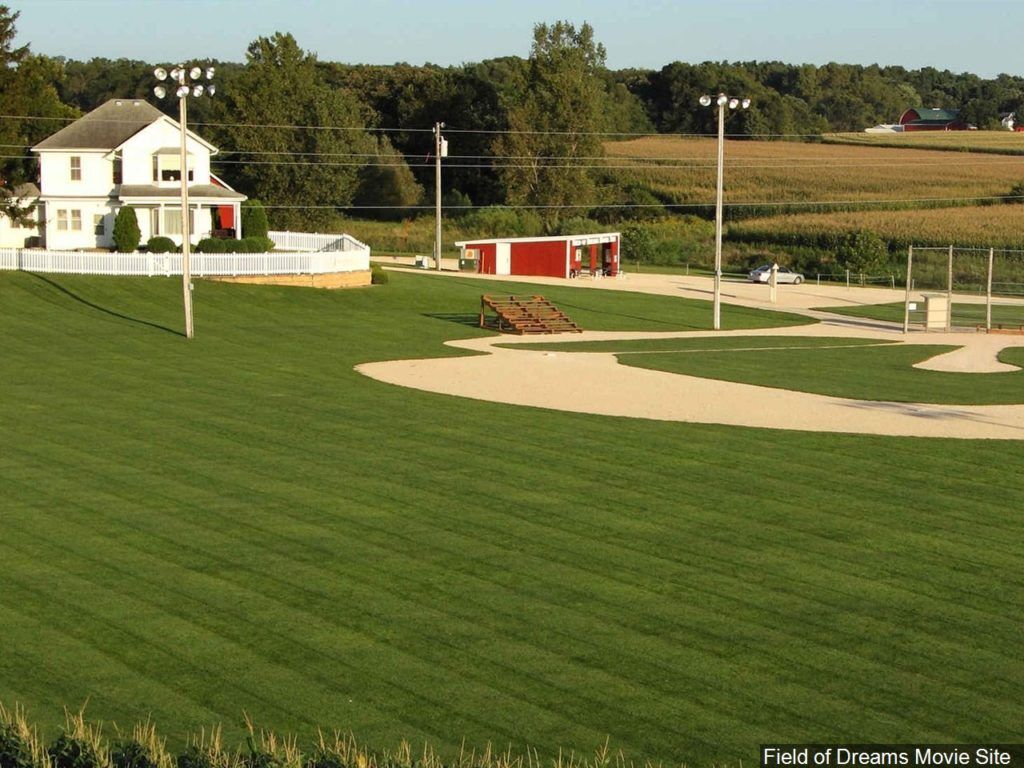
[[786, 275]]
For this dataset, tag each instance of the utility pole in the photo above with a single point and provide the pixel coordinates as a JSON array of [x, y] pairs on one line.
[[440, 150]]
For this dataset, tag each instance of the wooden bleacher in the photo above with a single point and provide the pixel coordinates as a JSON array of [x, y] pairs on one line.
[[524, 314]]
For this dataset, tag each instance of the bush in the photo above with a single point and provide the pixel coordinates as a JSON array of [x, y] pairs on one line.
[[503, 222], [254, 219], [578, 225], [377, 275], [161, 245], [213, 245], [863, 252], [638, 245], [126, 230]]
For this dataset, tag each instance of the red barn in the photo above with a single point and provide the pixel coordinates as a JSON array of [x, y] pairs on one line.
[[920, 119], [560, 256]]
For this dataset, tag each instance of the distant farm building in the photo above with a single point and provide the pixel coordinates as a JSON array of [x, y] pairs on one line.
[[560, 256], [920, 119]]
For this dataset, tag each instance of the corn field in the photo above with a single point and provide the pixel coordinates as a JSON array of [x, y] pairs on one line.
[[83, 744]]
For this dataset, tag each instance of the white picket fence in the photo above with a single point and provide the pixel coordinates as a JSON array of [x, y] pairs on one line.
[[337, 253], [306, 241]]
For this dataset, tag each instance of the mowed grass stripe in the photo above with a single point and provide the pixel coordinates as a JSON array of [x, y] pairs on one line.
[[348, 460], [619, 715]]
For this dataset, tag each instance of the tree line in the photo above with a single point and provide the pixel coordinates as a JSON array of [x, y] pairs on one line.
[[313, 138]]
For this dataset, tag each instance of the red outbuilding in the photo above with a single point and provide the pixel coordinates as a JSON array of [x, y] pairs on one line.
[[560, 256], [920, 119]]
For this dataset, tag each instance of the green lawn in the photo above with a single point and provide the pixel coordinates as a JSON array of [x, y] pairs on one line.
[[968, 315], [190, 530]]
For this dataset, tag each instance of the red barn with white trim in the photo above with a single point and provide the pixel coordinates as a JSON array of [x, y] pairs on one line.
[[558, 256]]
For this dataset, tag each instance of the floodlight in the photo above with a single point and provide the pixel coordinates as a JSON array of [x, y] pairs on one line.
[[197, 90], [195, 73], [211, 89], [209, 73], [176, 73], [705, 101], [733, 103], [722, 100], [160, 73], [160, 91], [745, 103], [182, 91]]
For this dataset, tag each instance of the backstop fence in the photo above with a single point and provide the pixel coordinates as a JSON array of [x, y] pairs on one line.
[[957, 287]]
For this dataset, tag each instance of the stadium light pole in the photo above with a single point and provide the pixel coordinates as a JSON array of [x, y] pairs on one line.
[[440, 150], [721, 101], [194, 81]]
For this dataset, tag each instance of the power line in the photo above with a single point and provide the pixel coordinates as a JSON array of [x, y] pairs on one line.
[[743, 204]]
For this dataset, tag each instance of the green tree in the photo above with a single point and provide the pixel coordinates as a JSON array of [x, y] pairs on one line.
[[552, 125], [126, 230], [27, 88], [387, 182], [638, 244], [863, 252], [254, 219], [307, 167]]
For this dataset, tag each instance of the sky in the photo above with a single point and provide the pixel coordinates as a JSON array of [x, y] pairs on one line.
[[979, 36]]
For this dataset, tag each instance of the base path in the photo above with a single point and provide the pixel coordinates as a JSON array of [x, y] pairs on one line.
[[551, 380]]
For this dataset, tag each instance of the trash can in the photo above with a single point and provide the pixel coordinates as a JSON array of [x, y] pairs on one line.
[[936, 311]]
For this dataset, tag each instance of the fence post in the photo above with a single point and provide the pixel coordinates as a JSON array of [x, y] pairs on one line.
[[847, 279], [906, 300], [892, 281], [988, 290], [949, 293], [817, 278]]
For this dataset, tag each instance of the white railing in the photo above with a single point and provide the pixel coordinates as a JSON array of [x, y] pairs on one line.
[[201, 264], [307, 241]]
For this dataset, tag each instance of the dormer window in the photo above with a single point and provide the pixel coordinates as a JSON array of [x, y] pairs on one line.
[[167, 166], [76, 168]]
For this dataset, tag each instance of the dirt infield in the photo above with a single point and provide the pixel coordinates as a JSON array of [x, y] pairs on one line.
[[549, 379]]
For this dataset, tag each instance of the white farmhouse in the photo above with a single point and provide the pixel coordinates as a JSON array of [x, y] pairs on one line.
[[127, 153]]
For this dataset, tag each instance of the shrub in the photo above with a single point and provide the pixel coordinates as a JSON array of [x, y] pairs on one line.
[[160, 245], [1016, 194], [126, 230], [254, 219], [863, 252], [638, 244], [578, 225], [213, 245], [503, 222], [377, 275]]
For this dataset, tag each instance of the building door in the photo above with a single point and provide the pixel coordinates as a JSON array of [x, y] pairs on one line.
[[503, 259]]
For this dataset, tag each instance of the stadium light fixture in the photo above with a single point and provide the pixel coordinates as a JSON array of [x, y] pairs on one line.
[[720, 101]]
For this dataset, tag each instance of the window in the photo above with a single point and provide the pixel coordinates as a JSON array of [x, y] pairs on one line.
[[167, 166], [69, 220], [172, 221], [98, 225], [154, 215], [118, 173], [76, 168]]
